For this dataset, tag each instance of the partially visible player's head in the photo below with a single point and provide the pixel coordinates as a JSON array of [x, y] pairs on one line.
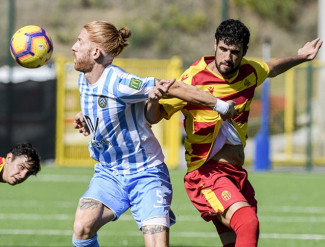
[[98, 42], [231, 44], [22, 161], [233, 32]]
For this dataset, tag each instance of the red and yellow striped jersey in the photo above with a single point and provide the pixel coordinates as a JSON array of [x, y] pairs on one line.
[[202, 124], [2, 162]]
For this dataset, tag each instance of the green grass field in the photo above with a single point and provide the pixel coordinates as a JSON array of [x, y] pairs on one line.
[[40, 212]]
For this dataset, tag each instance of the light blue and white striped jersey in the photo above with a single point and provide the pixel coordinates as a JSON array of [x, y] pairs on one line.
[[113, 108]]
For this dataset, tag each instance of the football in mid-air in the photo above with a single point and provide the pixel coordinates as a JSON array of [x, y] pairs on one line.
[[31, 46]]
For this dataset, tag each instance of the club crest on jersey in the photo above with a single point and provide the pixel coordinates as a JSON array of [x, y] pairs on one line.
[[135, 83], [102, 102], [225, 195]]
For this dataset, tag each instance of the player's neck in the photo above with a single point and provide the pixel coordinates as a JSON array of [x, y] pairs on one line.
[[93, 76]]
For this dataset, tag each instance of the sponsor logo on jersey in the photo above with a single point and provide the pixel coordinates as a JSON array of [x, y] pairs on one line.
[[101, 143], [225, 195], [102, 102], [135, 84]]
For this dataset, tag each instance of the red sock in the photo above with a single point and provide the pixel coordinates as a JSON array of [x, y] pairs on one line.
[[245, 224]]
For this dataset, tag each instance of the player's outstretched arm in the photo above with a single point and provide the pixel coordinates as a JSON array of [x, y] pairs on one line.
[[197, 96], [306, 53], [169, 89]]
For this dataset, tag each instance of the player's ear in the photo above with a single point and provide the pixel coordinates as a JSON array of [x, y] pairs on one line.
[[9, 156], [97, 53]]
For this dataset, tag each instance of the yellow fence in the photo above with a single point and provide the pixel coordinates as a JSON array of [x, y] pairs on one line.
[[297, 133], [71, 146], [303, 135]]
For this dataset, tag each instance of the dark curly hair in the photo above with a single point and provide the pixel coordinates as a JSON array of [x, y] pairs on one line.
[[26, 149], [233, 32]]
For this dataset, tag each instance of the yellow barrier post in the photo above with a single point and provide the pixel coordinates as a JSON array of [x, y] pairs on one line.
[[289, 112]]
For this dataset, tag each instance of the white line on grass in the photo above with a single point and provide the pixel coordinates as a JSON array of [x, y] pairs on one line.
[[68, 204], [175, 234], [35, 203], [36, 217], [181, 218], [292, 209], [292, 236], [297, 219], [284, 218]]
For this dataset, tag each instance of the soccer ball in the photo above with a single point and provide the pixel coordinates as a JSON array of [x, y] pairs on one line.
[[31, 46]]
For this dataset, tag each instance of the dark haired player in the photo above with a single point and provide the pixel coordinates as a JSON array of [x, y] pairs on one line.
[[22, 161], [216, 182]]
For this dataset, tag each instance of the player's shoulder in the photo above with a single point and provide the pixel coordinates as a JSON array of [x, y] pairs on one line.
[[202, 62], [118, 72], [196, 67], [114, 69], [255, 64]]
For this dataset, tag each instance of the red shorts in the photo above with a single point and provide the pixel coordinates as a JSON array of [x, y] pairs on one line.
[[215, 186]]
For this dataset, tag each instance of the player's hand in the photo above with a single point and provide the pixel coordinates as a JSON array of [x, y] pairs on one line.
[[80, 124], [160, 90], [231, 111], [310, 49]]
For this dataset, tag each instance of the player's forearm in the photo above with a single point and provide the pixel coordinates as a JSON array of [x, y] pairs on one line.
[[281, 65], [306, 53], [192, 95], [154, 112]]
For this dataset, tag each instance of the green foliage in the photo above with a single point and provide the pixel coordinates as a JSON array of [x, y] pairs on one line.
[[164, 24], [190, 24], [283, 12], [162, 29], [145, 33]]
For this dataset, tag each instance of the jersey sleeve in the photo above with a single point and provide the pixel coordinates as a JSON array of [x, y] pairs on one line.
[[172, 105], [133, 89], [262, 70]]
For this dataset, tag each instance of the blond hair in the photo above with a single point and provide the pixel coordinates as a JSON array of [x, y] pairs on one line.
[[108, 37]]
